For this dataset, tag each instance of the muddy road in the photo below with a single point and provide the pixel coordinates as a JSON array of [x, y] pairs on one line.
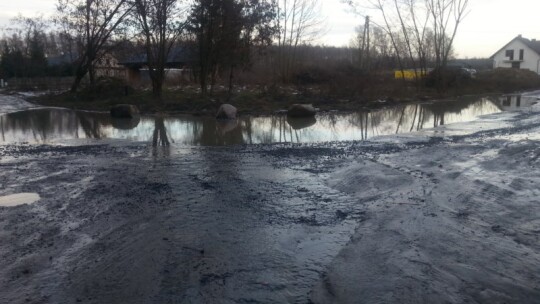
[[450, 215]]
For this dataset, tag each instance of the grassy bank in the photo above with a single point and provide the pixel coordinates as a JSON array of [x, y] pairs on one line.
[[370, 92]]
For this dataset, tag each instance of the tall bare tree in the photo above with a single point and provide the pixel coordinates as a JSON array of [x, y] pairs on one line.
[[446, 17], [299, 22], [160, 23], [93, 22], [418, 28]]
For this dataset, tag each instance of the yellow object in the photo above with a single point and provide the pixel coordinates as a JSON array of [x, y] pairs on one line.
[[409, 74]]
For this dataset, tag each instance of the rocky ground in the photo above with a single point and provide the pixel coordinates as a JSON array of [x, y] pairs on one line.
[[450, 215]]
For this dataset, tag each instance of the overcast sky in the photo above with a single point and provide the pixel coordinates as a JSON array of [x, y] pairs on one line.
[[489, 25]]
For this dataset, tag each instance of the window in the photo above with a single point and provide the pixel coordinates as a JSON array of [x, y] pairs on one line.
[[521, 54], [516, 65], [510, 54]]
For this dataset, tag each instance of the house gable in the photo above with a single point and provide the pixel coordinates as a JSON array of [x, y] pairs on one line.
[[519, 53]]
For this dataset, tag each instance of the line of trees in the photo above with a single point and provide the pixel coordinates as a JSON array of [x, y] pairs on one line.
[[226, 35], [23, 53], [420, 32]]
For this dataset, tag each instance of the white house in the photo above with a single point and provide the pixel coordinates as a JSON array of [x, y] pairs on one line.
[[519, 53]]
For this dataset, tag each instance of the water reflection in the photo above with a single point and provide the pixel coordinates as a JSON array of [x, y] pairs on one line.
[[160, 137], [516, 102], [59, 125], [301, 123]]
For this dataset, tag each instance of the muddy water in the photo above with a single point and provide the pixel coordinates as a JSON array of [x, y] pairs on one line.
[[43, 126]]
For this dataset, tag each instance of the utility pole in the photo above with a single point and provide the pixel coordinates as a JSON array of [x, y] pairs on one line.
[[364, 49], [368, 44]]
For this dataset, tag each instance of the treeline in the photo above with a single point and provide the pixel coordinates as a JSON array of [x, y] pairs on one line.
[[228, 37], [27, 48]]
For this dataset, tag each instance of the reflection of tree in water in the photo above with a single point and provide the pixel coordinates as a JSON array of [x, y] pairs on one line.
[[46, 124], [331, 121], [280, 123], [290, 129], [440, 110], [91, 125], [213, 132], [38, 125], [287, 132], [361, 120], [247, 125], [160, 137], [414, 117]]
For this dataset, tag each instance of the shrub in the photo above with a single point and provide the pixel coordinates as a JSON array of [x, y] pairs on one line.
[[449, 77], [105, 88], [507, 80]]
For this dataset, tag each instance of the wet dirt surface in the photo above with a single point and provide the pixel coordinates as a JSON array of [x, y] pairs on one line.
[[450, 215]]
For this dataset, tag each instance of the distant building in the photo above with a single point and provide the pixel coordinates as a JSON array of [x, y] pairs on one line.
[[107, 66], [177, 67], [516, 102], [519, 53]]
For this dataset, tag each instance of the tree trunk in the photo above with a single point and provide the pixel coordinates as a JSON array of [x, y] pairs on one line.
[[82, 69], [157, 88], [231, 78]]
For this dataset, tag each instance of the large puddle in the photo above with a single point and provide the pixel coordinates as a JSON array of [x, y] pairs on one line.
[[43, 126]]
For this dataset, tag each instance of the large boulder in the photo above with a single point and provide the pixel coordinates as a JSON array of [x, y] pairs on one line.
[[302, 110], [124, 111], [226, 111]]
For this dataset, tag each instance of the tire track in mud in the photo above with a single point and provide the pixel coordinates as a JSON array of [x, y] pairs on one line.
[[447, 247], [202, 226]]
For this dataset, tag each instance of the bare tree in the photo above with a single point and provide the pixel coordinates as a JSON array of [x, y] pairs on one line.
[[160, 23], [418, 28], [24, 53], [299, 22], [374, 52], [446, 16], [93, 22]]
